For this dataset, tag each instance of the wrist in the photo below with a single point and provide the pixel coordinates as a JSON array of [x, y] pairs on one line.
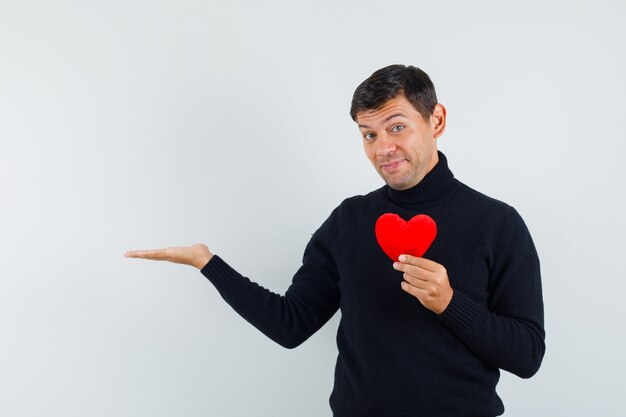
[[446, 302], [203, 260]]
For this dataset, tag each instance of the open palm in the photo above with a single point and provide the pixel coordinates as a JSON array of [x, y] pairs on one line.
[[195, 255]]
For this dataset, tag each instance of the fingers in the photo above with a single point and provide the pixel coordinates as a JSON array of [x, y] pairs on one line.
[[416, 271], [421, 268], [417, 292], [416, 281], [427, 281], [154, 254], [420, 277], [421, 262], [435, 301]]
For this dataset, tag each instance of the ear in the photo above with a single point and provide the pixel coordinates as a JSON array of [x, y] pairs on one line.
[[438, 120]]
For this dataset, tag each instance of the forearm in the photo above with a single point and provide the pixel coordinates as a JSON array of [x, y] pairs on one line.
[[505, 331], [513, 344], [288, 320]]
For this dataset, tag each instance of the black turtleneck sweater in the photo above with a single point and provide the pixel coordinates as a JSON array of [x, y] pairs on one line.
[[397, 358]]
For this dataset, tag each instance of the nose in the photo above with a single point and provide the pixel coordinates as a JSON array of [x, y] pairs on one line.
[[385, 145]]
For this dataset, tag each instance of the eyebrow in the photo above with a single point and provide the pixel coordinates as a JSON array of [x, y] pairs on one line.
[[386, 120]]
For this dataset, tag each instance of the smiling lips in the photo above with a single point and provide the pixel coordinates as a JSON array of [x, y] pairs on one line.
[[391, 165]]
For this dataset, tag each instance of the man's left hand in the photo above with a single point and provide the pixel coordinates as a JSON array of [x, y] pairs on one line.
[[427, 281]]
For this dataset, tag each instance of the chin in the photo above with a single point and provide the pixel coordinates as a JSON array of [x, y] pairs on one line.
[[398, 186], [403, 184]]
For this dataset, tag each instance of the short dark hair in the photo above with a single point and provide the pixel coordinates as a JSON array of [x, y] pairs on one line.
[[391, 81]]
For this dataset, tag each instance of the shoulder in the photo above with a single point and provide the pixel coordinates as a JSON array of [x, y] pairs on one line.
[[482, 200], [506, 218], [360, 201], [488, 212], [344, 215], [361, 198]]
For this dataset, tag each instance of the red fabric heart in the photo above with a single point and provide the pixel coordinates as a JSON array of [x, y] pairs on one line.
[[397, 236]]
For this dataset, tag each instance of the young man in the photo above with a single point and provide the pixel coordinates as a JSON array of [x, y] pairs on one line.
[[420, 336]]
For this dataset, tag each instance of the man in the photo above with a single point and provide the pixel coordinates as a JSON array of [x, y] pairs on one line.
[[420, 336]]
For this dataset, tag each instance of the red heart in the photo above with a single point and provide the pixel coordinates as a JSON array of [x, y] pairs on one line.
[[397, 236]]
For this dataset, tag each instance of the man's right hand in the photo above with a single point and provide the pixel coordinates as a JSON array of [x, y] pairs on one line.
[[197, 255]]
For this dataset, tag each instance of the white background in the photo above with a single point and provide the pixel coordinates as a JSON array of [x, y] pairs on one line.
[[143, 124]]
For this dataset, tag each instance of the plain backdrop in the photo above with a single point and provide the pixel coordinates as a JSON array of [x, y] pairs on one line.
[[142, 124]]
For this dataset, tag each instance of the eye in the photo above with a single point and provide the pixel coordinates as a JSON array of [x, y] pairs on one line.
[[397, 128], [369, 136]]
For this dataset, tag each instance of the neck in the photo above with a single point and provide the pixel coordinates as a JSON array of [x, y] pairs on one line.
[[437, 183]]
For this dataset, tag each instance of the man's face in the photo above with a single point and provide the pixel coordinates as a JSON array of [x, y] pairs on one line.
[[399, 142]]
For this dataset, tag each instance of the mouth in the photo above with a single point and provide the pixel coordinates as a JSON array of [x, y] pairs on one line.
[[391, 165]]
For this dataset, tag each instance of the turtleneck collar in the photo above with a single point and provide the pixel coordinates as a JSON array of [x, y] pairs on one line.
[[437, 183]]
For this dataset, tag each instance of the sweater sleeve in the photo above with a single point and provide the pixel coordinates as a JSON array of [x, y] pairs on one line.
[[509, 332], [309, 302]]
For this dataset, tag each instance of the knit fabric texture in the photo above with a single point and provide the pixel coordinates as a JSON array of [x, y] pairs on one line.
[[395, 357]]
